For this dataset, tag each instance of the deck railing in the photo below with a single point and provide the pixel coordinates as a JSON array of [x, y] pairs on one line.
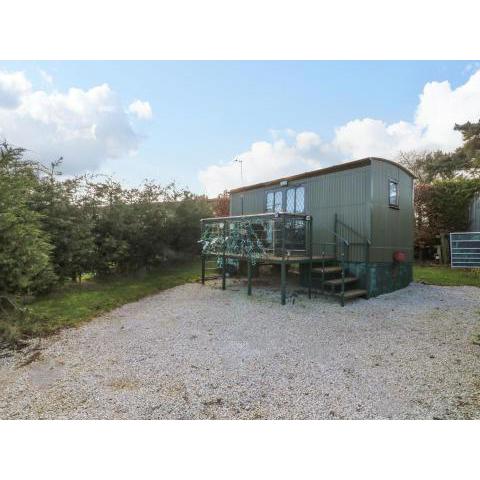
[[280, 238], [276, 237], [273, 234]]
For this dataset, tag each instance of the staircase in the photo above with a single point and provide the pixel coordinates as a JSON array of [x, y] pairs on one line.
[[329, 271], [334, 280]]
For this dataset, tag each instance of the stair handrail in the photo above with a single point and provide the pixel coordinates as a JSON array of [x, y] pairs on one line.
[[345, 248], [367, 241], [363, 237]]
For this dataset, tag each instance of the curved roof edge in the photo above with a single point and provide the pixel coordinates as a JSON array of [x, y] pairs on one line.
[[323, 171]]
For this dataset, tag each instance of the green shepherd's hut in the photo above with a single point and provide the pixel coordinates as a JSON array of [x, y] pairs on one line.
[[349, 227]]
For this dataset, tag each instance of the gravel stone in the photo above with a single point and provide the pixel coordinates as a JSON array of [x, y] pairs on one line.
[[196, 352]]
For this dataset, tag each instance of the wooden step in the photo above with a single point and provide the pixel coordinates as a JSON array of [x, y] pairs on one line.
[[338, 281], [326, 258], [354, 293], [335, 269]]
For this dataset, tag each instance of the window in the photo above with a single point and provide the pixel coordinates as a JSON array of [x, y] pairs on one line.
[[300, 200], [393, 193], [277, 207], [270, 197], [296, 200], [274, 201], [290, 200]]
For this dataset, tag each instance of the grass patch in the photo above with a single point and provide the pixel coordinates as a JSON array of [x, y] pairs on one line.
[[74, 304], [442, 275]]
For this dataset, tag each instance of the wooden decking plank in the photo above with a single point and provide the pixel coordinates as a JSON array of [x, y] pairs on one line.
[[338, 281], [354, 293], [334, 269]]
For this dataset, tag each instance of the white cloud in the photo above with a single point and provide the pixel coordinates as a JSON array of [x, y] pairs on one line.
[[46, 77], [308, 140], [12, 87], [440, 107], [86, 127], [141, 109], [267, 160]]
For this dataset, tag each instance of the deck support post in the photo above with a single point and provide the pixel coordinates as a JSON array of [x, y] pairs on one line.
[[203, 254], [367, 267], [224, 257], [342, 292], [283, 272], [323, 270], [310, 247], [249, 277], [335, 235], [284, 282]]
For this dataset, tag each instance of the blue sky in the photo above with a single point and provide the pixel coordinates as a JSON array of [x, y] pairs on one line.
[[204, 114]]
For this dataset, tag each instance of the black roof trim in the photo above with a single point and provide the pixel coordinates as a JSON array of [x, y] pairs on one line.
[[323, 171]]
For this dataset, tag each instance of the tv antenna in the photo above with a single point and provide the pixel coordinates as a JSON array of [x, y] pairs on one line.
[[237, 160]]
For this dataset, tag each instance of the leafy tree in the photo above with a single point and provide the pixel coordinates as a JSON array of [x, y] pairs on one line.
[[443, 207], [24, 247], [184, 225], [470, 151], [113, 226], [69, 223], [438, 165], [430, 166], [222, 205], [87, 224]]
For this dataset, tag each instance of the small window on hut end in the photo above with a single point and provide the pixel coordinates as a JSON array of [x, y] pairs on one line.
[[393, 194]]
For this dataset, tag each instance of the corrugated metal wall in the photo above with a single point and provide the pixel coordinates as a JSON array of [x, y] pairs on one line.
[[253, 202], [475, 215], [392, 229], [360, 199], [345, 193]]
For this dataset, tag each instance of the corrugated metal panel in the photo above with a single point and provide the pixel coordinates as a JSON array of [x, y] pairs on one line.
[[360, 199], [465, 250], [345, 193], [392, 229], [252, 201], [475, 215]]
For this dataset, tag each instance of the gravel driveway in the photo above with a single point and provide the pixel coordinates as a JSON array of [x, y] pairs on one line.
[[198, 352]]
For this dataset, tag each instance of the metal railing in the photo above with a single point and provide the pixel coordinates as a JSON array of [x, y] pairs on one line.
[[361, 245], [280, 238], [269, 237], [360, 240], [338, 249], [262, 235]]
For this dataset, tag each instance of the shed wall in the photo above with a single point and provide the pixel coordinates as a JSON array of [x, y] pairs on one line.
[[392, 229], [346, 193], [475, 215]]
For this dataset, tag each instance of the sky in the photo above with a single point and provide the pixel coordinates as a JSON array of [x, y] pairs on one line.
[[187, 121]]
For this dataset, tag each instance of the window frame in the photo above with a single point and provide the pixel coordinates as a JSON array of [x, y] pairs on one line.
[[283, 191], [266, 201], [295, 188], [396, 205], [294, 198], [274, 191], [304, 192]]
